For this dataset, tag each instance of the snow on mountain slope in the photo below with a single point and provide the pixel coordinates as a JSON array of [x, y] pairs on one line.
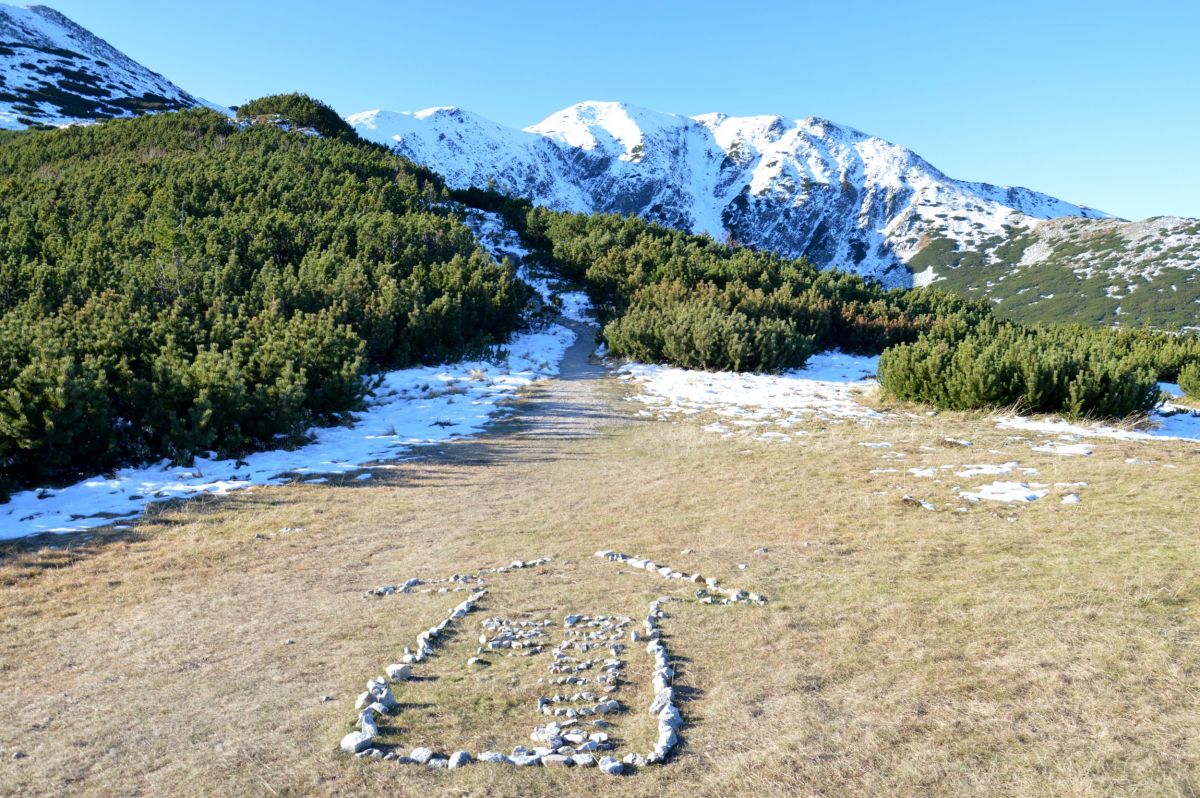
[[52, 71], [807, 187]]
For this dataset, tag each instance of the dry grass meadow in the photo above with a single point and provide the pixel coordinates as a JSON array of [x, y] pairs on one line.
[[1040, 650]]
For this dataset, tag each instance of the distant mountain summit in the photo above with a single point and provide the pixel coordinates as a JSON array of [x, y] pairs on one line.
[[54, 72], [808, 187]]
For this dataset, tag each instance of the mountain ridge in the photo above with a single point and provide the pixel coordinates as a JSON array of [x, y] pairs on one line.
[[806, 187], [55, 72]]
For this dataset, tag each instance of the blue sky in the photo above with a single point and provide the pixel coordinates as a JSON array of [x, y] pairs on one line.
[[1096, 102]]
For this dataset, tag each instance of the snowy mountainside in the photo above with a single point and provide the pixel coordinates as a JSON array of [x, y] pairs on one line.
[[808, 187], [54, 72]]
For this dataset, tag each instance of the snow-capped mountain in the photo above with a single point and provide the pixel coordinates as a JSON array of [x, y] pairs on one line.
[[807, 187], [54, 72]]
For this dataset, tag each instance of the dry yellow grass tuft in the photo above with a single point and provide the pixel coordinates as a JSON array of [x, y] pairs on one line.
[[1045, 649]]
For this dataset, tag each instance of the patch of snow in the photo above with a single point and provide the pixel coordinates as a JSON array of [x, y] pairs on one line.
[[1067, 449], [1169, 422], [989, 470], [1005, 492], [826, 389], [500, 241], [411, 407]]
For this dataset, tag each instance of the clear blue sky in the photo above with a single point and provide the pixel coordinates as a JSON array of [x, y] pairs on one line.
[[1095, 102]]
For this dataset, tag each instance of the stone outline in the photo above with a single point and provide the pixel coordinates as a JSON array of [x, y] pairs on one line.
[[379, 700]]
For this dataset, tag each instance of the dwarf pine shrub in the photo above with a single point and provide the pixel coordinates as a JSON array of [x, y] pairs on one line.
[[1075, 371], [175, 284]]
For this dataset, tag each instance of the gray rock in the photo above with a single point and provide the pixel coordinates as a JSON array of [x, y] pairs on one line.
[[584, 760], [495, 758], [439, 762], [662, 700], [611, 766], [398, 673], [526, 761], [458, 759], [671, 718], [557, 760], [421, 755], [354, 742]]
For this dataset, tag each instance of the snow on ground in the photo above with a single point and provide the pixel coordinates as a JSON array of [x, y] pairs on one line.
[[1006, 492], [826, 389], [1064, 448], [411, 407], [1168, 422], [501, 242]]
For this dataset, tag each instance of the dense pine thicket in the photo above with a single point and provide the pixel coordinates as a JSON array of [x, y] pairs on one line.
[[301, 111], [666, 296], [174, 284]]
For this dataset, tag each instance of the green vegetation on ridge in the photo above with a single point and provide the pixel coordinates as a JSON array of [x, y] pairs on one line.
[[173, 284], [670, 297]]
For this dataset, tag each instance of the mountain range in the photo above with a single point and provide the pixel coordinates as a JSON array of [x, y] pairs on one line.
[[808, 187]]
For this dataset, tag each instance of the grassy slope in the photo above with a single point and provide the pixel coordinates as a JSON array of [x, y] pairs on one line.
[[1045, 650], [1051, 291]]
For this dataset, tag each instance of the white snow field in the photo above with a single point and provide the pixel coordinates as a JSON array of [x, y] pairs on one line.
[[828, 389], [411, 407], [825, 389]]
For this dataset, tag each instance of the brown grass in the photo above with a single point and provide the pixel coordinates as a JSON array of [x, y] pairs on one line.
[[1039, 650]]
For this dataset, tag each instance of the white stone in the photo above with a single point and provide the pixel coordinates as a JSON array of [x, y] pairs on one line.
[[458, 759], [611, 766], [670, 718], [354, 742], [398, 673], [421, 755], [495, 758]]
